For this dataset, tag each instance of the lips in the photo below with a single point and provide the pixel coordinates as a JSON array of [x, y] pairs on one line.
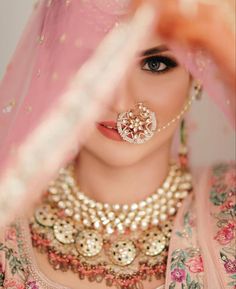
[[109, 124], [109, 130]]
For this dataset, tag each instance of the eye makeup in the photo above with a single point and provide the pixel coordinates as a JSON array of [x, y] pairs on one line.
[[158, 64], [153, 61]]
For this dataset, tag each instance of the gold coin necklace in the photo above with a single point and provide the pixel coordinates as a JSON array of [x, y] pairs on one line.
[[120, 244]]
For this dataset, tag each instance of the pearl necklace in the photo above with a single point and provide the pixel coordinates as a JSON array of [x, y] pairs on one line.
[[66, 228], [65, 193]]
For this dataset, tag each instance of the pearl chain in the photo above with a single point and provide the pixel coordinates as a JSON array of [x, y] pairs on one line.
[[156, 208]]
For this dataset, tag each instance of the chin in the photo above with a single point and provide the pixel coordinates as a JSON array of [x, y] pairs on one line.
[[120, 154], [116, 158]]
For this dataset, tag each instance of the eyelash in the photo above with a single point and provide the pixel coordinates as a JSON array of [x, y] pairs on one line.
[[170, 64]]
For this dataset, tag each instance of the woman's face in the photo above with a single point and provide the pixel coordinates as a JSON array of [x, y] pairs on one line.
[[159, 81]]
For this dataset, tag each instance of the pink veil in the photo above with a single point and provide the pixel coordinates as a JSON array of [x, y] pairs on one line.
[[49, 97]]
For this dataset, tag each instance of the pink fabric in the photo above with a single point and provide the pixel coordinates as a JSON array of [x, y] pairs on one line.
[[54, 46], [45, 122]]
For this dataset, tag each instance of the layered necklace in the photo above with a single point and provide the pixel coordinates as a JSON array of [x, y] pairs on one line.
[[120, 244]]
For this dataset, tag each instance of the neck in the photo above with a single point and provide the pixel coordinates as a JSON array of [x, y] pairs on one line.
[[122, 185]]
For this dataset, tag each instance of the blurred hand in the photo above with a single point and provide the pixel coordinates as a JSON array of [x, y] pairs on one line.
[[199, 24]]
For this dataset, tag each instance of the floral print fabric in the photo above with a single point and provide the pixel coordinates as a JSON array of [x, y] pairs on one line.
[[15, 273], [186, 263], [223, 196]]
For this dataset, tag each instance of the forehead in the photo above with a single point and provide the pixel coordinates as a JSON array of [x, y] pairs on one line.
[[152, 40]]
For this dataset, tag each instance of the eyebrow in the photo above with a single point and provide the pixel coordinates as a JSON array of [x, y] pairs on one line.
[[154, 50]]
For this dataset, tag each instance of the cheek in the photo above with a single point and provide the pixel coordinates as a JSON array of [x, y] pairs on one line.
[[165, 94]]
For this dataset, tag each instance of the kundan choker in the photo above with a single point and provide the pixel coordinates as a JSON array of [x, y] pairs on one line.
[[121, 244]]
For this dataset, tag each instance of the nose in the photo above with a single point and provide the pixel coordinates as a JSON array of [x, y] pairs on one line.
[[124, 98]]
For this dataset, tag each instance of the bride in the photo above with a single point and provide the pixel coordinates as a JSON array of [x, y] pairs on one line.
[[126, 209]]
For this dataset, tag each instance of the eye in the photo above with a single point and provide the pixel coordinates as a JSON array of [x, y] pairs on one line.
[[158, 64]]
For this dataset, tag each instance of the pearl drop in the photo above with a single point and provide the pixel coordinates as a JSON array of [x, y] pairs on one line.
[[122, 217], [111, 216], [171, 202], [86, 222], [97, 225], [120, 228], [155, 197], [109, 229], [77, 217], [137, 219], [160, 191], [172, 211], [166, 185], [155, 221], [68, 204], [134, 207], [61, 205], [155, 213], [185, 186], [177, 195], [117, 221], [142, 205], [69, 212], [127, 222], [133, 227], [144, 225], [156, 206], [163, 201], [56, 198], [125, 208], [99, 206], [107, 206], [105, 221], [163, 217], [53, 190], [131, 215], [163, 209], [169, 195], [149, 200], [179, 204], [149, 210], [116, 207], [184, 194]]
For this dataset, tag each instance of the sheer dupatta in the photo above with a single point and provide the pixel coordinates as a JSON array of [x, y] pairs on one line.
[[56, 86], [54, 90]]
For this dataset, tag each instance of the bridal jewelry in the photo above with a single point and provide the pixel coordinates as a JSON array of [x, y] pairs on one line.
[[139, 124], [121, 244]]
